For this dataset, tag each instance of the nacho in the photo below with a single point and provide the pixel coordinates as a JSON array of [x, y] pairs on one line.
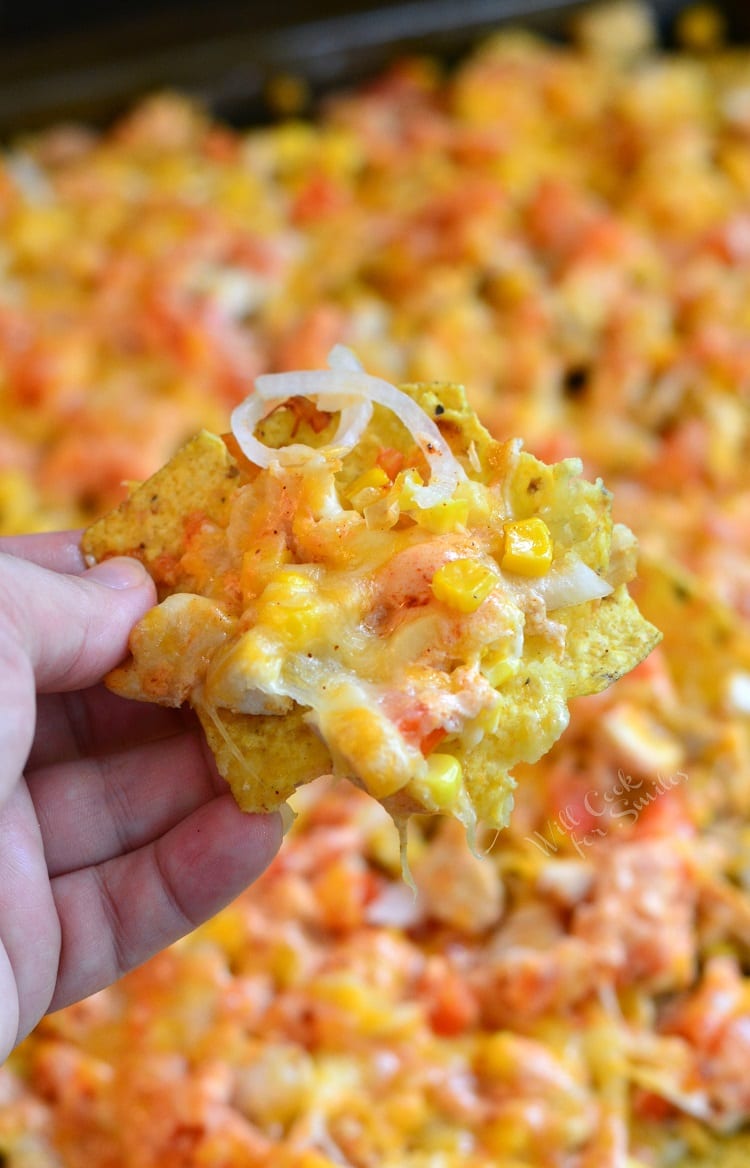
[[359, 580]]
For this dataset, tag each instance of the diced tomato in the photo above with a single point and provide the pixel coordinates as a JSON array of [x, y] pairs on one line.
[[414, 725], [193, 523], [648, 1105], [221, 145], [682, 456], [165, 568], [429, 741], [570, 797], [342, 889], [559, 218], [390, 460], [452, 1007], [320, 198], [668, 815], [307, 344], [306, 411]]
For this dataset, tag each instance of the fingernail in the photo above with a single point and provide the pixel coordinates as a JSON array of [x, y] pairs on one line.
[[119, 572], [287, 817]]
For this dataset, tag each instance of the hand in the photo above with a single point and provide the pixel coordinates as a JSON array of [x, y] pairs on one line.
[[117, 835]]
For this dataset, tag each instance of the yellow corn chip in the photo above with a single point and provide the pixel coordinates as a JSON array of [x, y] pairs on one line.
[[301, 616]]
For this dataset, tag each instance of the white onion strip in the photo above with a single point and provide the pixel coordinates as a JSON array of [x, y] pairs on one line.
[[342, 359], [574, 583], [571, 584], [353, 419], [352, 424], [335, 388]]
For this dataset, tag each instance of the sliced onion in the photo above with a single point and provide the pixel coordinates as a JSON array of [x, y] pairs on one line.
[[338, 384], [573, 584], [354, 418], [352, 424], [29, 177], [354, 414], [395, 907], [245, 417], [343, 359]]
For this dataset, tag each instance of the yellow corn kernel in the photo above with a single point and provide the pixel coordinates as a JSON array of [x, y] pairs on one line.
[[293, 144], [498, 667], [528, 547], [480, 500], [406, 482], [287, 94], [443, 517], [440, 787], [227, 931], [37, 231], [364, 1007], [19, 505], [286, 964], [407, 1110], [496, 1056], [510, 1139], [374, 477], [368, 487], [700, 28], [290, 607], [463, 584]]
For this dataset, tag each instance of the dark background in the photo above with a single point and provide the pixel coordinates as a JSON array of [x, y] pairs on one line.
[[89, 60]]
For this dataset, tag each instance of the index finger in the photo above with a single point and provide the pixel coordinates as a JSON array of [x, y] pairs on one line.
[[60, 551]]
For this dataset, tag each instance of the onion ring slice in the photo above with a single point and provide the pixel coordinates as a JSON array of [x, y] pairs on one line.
[[346, 387]]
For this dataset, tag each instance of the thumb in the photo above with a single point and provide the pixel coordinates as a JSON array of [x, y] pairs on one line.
[[58, 632], [72, 629]]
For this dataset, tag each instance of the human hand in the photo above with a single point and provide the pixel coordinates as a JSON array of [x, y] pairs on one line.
[[117, 835]]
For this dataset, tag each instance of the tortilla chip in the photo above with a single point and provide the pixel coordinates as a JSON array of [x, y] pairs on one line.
[[605, 640], [263, 757], [697, 627], [282, 623], [152, 523]]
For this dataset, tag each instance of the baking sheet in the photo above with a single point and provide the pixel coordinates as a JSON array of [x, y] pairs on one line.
[[90, 62]]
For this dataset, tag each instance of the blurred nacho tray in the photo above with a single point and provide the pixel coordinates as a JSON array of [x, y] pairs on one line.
[[88, 61]]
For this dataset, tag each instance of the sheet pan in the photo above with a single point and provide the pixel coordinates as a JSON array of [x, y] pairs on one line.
[[86, 61]]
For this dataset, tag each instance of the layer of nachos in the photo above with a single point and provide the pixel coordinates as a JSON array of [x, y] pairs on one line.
[[360, 580]]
